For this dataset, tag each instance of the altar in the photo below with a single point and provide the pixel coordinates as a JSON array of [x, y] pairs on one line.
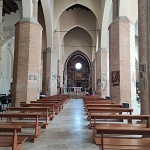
[[78, 89]]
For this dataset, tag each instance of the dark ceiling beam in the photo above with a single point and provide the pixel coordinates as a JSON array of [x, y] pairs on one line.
[[78, 6], [5, 10], [11, 5]]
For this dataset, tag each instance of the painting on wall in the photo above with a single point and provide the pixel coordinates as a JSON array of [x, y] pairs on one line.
[[142, 70], [143, 80], [98, 83], [115, 78]]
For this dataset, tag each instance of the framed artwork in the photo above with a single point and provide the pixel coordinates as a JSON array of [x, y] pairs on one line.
[[142, 70], [115, 78]]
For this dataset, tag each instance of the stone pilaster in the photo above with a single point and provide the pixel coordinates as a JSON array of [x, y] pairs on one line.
[[93, 75], [65, 79], [27, 61], [105, 72], [35, 8], [46, 69], [53, 75], [98, 72], [144, 54], [115, 8], [50, 63], [61, 68], [122, 61]]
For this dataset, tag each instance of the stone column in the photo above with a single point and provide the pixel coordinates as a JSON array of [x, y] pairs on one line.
[[122, 61], [53, 75], [46, 67], [61, 68], [27, 59], [35, 8], [93, 75], [65, 79], [144, 54], [115, 8], [1, 29], [50, 63], [105, 72], [98, 72]]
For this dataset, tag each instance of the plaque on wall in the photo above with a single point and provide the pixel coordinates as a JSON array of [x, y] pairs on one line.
[[32, 76]]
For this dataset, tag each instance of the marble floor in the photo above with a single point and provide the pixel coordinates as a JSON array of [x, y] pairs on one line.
[[68, 131]]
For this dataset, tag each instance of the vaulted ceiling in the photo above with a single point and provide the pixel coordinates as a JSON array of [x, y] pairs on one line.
[[9, 6]]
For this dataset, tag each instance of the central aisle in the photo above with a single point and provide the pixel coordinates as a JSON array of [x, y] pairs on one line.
[[68, 131]]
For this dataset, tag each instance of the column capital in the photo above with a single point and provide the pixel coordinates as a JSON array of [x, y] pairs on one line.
[[104, 50], [120, 19], [29, 21], [98, 51], [35, 1], [47, 50], [32, 20]]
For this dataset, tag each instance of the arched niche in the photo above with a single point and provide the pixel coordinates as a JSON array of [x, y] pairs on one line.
[[74, 77], [7, 66]]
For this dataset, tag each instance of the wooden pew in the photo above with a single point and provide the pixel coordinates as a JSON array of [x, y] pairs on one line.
[[60, 102], [129, 124], [126, 144], [109, 110], [103, 110], [122, 131], [96, 116], [98, 102], [60, 97], [102, 105], [11, 140], [35, 123], [57, 104], [43, 112], [95, 100], [51, 107], [96, 97], [63, 101]]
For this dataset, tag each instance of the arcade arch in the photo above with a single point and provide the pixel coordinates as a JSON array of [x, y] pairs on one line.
[[74, 77]]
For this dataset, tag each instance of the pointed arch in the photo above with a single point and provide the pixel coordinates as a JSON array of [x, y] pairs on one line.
[[74, 77], [79, 53], [63, 6], [82, 27]]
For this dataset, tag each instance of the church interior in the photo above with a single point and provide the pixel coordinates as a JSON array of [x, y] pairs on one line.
[[71, 54]]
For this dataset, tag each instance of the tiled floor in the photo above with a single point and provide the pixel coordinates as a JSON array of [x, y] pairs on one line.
[[68, 131]]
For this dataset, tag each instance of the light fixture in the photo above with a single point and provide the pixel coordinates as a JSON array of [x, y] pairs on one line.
[[78, 65]]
